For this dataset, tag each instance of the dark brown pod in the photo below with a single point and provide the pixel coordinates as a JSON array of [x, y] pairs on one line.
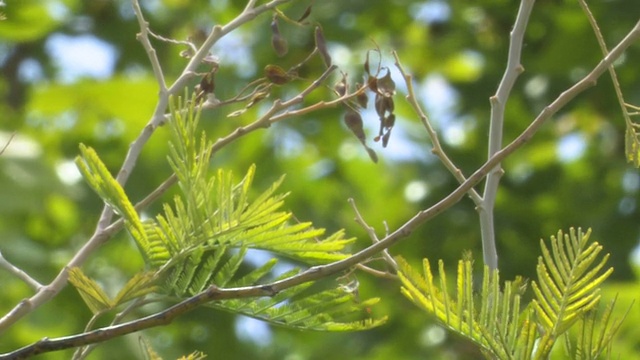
[[321, 45], [278, 42], [353, 120]]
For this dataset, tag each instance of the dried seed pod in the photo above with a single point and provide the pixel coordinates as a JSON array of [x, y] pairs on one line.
[[372, 154], [341, 87], [353, 120], [372, 84], [366, 65], [383, 105], [362, 98], [278, 42], [321, 45], [208, 84], [276, 75], [386, 86], [389, 121], [385, 138]]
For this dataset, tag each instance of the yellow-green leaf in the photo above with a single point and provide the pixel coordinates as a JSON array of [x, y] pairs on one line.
[[92, 294]]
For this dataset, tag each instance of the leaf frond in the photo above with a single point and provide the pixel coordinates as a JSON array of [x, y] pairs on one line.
[[568, 283], [492, 318], [97, 175], [139, 285]]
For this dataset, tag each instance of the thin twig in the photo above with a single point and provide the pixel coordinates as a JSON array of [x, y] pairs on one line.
[[372, 234], [433, 135], [20, 274], [6, 145], [612, 70]]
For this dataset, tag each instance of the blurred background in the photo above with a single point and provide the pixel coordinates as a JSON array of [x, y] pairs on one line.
[[73, 72]]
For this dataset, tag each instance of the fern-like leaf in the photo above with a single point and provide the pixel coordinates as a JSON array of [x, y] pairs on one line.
[[595, 334], [494, 321], [99, 178], [139, 285], [568, 283]]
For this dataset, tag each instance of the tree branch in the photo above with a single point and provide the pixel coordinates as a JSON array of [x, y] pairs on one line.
[[4, 264], [498, 104], [433, 135]]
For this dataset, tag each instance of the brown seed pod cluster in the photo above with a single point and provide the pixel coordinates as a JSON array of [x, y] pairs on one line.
[[384, 88]]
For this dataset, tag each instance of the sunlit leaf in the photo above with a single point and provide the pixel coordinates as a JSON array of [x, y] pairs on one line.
[[139, 285], [92, 294]]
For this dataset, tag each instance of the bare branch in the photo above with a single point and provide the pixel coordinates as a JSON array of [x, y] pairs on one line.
[[143, 37], [498, 104], [433, 135], [372, 234]]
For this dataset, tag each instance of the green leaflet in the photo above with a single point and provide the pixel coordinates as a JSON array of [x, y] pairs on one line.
[[99, 178], [569, 276], [92, 294], [568, 284], [98, 301]]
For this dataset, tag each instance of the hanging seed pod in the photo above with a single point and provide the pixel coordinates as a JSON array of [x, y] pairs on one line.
[[366, 65], [372, 154], [386, 86], [278, 42], [353, 120], [341, 87], [208, 84], [276, 75], [362, 98], [390, 121], [321, 45], [385, 138]]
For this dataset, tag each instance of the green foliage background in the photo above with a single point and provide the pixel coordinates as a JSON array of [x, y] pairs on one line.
[[43, 219]]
